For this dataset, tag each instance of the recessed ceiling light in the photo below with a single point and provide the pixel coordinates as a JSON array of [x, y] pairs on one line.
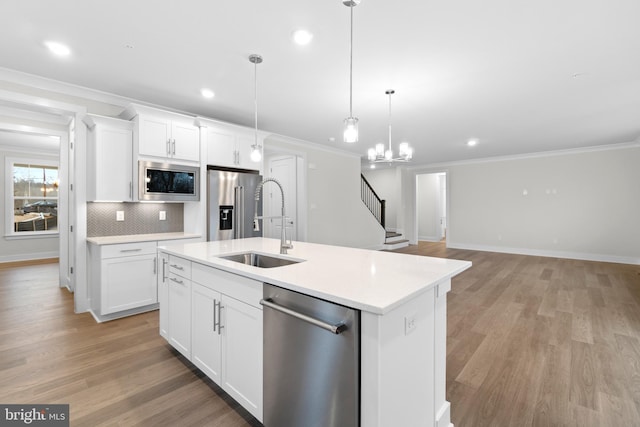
[[332, 139], [207, 93], [58, 48], [302, 37], [472, 142]]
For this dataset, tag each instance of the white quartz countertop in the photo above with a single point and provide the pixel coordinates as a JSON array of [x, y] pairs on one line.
[[368, 280], [134, 238]]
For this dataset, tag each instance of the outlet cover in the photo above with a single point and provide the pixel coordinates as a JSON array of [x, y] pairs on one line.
[[163, 215], [409, 324], [119, 215]]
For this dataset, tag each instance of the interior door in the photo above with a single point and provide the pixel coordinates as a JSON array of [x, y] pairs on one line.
[[284, 170]]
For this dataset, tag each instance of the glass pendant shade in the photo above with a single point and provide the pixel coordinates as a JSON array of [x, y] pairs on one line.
[[405, 151], [371, 154], [350, 130], [388, 155], [256, 154], [379, 150]]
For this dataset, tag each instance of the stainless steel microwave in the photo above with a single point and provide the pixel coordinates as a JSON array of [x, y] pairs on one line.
[[168, 182]]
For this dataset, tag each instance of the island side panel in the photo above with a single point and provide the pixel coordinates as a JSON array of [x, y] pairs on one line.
[[397, 365], [443, 408]]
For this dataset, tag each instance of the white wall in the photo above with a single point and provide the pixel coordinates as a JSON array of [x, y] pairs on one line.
[[385, 183], [584, 205], [428, 212], [579, 204], [335, 212]]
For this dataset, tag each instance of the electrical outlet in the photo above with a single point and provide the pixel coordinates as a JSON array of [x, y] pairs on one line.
[[163, 215], [409, 324], [119, 215]]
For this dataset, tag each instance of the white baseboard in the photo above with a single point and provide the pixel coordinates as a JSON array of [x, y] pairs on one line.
[[113, 316], [29, 256], [429, 238], [443, 417], [547, 253]]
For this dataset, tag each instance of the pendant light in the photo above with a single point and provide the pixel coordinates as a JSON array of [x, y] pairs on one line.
[[350, 134], [380, 155], [256, 149]]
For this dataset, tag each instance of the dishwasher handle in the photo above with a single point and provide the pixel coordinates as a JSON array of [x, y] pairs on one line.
[[335, 329]]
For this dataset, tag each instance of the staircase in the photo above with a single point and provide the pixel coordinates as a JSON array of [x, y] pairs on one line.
[[393, 241], [376, 205]]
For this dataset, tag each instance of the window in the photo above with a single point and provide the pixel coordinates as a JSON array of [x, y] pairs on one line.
[[33, 193]]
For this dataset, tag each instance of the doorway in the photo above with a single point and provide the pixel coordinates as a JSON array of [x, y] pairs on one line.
[[42, 116], [284, 169], [289, 166], [431, 206]]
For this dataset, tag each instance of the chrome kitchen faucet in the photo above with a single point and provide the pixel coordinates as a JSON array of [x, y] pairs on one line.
[[284, 244]]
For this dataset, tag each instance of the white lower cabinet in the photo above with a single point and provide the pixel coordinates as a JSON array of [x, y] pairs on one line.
[[179, 306], [123, 277], [242, 354], [221, 330], [206, 332], [163, 293]]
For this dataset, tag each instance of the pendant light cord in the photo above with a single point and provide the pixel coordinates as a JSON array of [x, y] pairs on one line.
[[390, 93], [351, 65], [255, 98]]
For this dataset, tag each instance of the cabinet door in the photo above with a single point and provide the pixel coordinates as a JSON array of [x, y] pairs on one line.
[[109, 159], [128, 282], [154, 135], [221, 148], [112, 166], [180, 314], [206, 334], [163, 293], [185, 141], [242, 354]]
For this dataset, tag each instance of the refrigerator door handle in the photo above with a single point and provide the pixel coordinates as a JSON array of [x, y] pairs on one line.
[[238, 212]]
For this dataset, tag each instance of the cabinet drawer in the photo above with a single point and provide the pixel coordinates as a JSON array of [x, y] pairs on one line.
[[128, 249], [178, 280], [180, 266], [233, 285]]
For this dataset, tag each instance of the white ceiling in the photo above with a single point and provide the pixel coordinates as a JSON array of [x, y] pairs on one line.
[[519, 76]]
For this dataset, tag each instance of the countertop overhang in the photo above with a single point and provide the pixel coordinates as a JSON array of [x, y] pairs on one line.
[[136, 238], [368, 280]]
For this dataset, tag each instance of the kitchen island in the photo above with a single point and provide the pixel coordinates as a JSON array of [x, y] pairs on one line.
[[402, 303]]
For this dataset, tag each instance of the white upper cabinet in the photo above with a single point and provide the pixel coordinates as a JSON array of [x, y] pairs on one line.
[[229, 146], [164, 136], [109, 159]]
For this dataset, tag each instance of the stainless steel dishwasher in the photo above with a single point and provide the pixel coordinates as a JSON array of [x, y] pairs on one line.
[[311, 361]]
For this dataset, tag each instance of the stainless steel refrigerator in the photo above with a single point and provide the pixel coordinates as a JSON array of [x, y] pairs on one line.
[[231, 203]]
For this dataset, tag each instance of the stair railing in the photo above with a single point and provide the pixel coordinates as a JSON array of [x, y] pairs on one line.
[[375, 204]]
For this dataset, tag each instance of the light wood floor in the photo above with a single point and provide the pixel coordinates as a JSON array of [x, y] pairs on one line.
[[119, 373], [531, 341], [535, 341]]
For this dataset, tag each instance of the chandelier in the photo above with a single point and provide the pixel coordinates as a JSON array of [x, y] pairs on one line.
[[380, 155]]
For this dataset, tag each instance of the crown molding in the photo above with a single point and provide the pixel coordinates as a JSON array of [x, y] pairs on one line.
[[540, 154]]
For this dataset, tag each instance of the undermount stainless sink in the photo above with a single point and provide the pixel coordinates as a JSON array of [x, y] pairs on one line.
[[260, 260]]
